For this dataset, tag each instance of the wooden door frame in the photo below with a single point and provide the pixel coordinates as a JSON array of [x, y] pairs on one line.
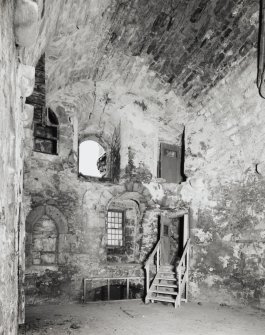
[[173, 214]]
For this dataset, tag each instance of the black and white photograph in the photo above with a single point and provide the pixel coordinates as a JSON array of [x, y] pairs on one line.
[[132, 167]]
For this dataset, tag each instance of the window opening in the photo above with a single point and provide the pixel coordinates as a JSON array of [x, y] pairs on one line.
[[45, 131], [92, 159], [115, 228]]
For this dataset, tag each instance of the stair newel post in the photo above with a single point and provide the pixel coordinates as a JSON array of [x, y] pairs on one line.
[[147, 268], [158, 259], [179, 285], [187, 270], [186, 238]]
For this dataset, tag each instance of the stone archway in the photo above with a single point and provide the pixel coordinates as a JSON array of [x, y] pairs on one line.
[[51, 212], [45, 227]]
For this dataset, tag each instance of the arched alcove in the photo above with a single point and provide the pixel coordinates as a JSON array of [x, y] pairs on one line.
[[46, 228], [44, 242]]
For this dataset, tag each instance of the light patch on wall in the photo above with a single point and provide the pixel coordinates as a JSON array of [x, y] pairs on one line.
[[194, 289], [236, 251], [210, 280], [262, 234], [224, 260], [227, 237], [89, 153], [202, 236]]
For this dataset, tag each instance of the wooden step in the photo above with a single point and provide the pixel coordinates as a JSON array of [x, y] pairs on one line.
[[163, 299], [167, 272], [164, 292], [167, 267], [165, 278], [166, 285]]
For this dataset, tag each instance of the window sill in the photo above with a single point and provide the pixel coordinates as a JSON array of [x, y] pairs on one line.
[[94, 179], [116, 251]]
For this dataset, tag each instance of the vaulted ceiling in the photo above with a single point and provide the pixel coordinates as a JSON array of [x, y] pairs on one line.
[[188, 44], [152, 49]]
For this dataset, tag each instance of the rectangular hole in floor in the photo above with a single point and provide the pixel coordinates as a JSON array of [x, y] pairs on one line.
[[97, 290]]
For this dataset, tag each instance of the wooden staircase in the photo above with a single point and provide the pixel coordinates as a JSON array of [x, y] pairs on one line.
[[170, 282], [164, 286]]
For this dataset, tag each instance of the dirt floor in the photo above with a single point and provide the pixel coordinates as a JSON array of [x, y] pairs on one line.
[[136, 318]]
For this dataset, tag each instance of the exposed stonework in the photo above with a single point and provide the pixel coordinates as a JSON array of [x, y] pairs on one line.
[[189, 44], [146, 72], [225, 189], [16, 82]]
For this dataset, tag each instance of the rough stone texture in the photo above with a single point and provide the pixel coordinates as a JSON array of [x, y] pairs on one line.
[[148, 68], [225, 188], [26, 22], [16, 82], [82, 252], [189, 45]]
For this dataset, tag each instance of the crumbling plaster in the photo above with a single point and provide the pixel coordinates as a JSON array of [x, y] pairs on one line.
[[16, 83], [224, 149], [114, 79]]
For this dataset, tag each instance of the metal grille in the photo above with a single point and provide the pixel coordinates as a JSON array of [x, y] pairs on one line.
[[115, 228]]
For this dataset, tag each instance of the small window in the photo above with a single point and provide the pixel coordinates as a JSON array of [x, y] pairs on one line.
[[45, 131], [115, 229], [92, 159]]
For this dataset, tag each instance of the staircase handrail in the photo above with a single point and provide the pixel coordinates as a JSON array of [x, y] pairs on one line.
[[155, 252], [183, 281], [151, 256], [186, 249]]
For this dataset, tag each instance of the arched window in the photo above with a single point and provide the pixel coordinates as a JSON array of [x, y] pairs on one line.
[[92, 159], [45, 131], [44, 242]]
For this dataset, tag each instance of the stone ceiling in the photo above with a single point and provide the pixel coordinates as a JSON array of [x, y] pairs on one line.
[[189, 44], [167, 52]]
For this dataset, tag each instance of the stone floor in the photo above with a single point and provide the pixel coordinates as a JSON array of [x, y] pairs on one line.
[[136, 318]]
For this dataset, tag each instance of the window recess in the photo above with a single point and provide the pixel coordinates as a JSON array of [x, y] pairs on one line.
[[115, 229], [45, 131]]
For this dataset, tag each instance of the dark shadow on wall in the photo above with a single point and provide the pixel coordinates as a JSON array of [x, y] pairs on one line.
[[182, 167]]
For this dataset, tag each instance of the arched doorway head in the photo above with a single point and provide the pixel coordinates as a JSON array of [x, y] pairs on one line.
[[44, 225]]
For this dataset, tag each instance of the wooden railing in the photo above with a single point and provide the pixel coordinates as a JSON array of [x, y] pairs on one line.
[[182, 271], [155, 255], [108, 281]]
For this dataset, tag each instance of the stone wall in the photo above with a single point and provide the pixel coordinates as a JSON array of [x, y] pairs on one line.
[[225, 189], [125, 77], [82, 249], [53, 181], [16, 82]]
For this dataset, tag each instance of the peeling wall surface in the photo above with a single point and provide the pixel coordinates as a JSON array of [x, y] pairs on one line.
[[181, 73], [14, 80], [100, 78], [224, 161]]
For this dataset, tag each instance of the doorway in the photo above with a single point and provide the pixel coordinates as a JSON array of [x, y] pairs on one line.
[[173, 236]]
